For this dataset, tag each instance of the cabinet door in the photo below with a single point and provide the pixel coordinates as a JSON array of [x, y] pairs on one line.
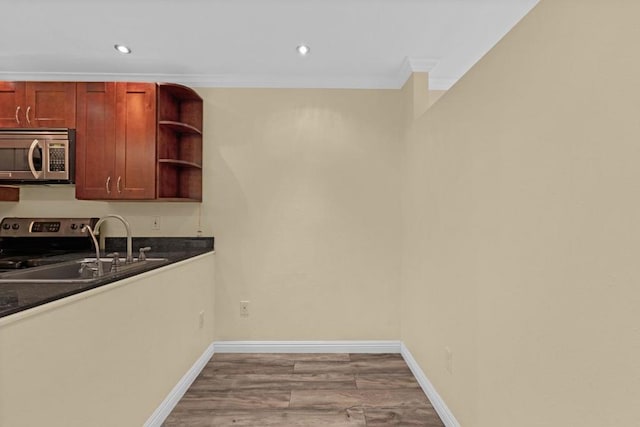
[[51, 104], [96, 141], [12, 107], [136, 140]]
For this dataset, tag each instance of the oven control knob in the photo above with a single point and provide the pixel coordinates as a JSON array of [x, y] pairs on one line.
[[15, 226], [6, 226]]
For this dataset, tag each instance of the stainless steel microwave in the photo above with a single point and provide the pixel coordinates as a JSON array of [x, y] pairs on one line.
[[37, 156]]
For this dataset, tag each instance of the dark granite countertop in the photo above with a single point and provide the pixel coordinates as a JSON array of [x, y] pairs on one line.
[[16, 296]]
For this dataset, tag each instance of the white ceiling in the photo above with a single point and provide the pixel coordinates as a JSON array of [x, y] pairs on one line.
[[251, 43]]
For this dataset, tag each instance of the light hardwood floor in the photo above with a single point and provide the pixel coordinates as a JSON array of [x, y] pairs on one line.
[[304, 390]]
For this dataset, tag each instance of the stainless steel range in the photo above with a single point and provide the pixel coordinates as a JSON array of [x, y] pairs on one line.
[[31, 242]]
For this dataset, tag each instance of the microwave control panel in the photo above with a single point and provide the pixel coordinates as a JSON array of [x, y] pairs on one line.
[[57, 157]]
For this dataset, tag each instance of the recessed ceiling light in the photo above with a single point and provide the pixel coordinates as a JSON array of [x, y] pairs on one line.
[[122, 48], [303, 49]]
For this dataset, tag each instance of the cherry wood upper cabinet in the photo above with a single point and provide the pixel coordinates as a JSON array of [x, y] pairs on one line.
[[95, 140], [37, 104], [11, 104], [51, 104], [138, 141], [116, 141]]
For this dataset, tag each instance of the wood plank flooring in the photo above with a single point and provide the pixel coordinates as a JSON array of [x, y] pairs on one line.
[[340, 389]]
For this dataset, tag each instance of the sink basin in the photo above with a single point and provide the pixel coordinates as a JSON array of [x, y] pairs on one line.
[[78, 271]]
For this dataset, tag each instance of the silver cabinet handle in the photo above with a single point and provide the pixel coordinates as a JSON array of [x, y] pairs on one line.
[[32, 148], [108, 184], [118, 184], [17, 111], [28, 109]]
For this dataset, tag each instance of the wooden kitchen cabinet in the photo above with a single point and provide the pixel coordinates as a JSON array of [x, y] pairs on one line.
[[95, 140], [116, 141], [37, 104], [138, 141], [11, 97], [179, 143]]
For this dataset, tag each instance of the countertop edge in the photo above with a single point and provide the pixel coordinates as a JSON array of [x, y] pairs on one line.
[[107, 287]]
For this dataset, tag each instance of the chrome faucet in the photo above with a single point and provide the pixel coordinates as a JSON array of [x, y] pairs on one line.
[[129, 258], [95, 244]]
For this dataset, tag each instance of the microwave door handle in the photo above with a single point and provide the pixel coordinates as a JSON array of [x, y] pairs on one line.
[[34, 144]]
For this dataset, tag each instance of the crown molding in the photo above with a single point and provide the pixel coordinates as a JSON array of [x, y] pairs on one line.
[[441, 84], [220, 80], [414, 65], [409, 66]]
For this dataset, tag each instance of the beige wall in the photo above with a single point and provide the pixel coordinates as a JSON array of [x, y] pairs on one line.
[[302, 192], [176, 219], [305, 202], [521, 226], [518, 219], [109, 356]]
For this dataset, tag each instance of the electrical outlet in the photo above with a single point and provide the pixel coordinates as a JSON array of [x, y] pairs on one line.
[[155, 225], [201, 320], [244, 308], [448, 354]]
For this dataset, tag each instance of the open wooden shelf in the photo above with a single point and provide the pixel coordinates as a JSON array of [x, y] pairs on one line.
[[179, 127], [178, 199], [179, 182], [180, 163], [179, 149]]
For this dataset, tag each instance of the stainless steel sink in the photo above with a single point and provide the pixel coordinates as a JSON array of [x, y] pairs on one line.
[[79, 271]]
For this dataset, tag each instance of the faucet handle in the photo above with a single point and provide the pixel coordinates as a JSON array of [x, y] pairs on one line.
[[115, 262], [88, 270], [141, 255]]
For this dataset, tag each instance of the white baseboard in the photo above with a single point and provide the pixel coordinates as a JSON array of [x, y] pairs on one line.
[[307, 346], [162, 412], [438, 404]]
